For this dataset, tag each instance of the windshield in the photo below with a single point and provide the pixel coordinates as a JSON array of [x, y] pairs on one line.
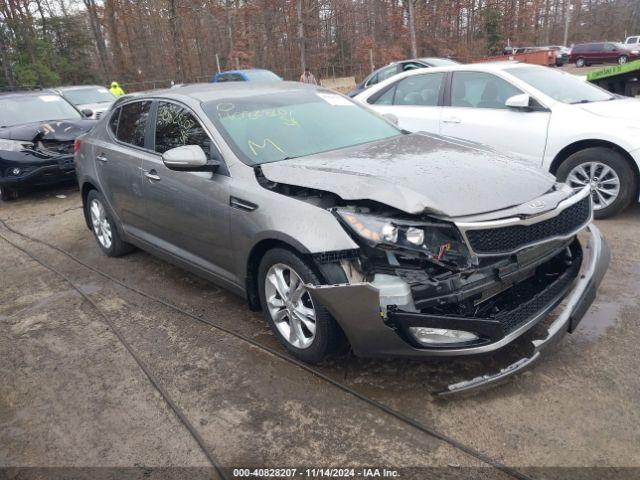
[[560, 86], [84, 96], [269, 128], [262, 76], [35, 108]]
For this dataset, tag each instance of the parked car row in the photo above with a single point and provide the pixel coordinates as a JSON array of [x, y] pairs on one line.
[[418, 220]]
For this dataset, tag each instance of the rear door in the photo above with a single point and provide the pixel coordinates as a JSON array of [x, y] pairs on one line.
[[187, 212], [610, 53], [415, 100], [119, 162], [475, 110]]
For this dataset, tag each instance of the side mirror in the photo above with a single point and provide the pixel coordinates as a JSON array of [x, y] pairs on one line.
[[390, 117], [519, 102], [190, 158], [87, 112]]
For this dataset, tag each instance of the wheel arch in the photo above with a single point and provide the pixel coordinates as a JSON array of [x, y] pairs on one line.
[[328, 272], [84, 192], [575, 147]]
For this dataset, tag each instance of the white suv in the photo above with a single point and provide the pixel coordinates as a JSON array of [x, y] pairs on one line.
[[579, 132]]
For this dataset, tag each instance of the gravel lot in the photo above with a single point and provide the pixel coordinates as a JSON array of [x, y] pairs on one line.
[[72, 395]]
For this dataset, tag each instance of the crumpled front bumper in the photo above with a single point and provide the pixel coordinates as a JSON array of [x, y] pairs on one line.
[[41, 172], [356, 307]]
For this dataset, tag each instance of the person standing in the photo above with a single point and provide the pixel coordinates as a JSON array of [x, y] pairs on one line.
[[307, 77], [116, 89]]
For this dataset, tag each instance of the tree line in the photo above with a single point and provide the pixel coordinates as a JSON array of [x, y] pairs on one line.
[[51, 42]]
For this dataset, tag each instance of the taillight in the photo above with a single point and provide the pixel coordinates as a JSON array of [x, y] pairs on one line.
[[76, 145]]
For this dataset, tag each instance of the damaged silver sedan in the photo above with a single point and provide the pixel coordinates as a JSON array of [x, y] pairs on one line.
[[340, 227]]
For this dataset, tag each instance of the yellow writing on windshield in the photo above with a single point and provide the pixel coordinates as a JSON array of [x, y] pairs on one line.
[[285, 116], [253, 146]]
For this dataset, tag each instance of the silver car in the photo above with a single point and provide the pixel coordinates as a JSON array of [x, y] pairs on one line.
[[339, 226], [91, 100]]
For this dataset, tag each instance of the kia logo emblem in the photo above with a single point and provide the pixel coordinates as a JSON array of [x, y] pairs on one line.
[[537, 205]]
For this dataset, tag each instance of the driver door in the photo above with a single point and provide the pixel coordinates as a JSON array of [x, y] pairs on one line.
[[476, 111], [187, 213]]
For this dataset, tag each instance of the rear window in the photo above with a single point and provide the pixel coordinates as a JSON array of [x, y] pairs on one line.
[[132, 123]]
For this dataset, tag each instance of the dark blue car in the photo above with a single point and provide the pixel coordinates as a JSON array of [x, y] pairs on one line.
[[249, 75]]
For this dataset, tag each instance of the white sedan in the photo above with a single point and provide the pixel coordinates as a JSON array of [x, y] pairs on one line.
[[579, 132]]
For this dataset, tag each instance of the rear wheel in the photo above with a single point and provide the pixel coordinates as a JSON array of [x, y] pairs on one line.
[[8, 194], [580, 63], [104, 228], [623, 59], [607, 173], [303, 327]]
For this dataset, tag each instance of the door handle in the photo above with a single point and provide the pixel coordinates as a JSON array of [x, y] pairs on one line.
[[102, 158], [452, 120], [152, 175]]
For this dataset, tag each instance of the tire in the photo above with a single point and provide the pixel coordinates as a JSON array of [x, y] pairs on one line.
[[580, 62], [327, 337], [8, 194], [586, 159], [103, 226], [622, 59]]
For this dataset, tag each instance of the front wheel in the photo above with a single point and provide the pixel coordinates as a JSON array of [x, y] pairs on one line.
[[303, 327], [580, 63], [607, 173], [623, 59]]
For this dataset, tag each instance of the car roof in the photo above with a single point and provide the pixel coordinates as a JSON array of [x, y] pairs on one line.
[[23, 93], [207, 92], [246, 70], [78, 87]]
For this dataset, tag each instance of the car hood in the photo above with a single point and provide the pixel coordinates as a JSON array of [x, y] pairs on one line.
[[59, 131], [418, 173], [621, 109]]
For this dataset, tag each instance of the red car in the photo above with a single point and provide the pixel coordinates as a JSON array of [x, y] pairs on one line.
[[602, 52]]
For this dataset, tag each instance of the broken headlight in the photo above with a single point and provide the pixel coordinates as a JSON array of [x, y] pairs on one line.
[[440, 242], [13, 145]]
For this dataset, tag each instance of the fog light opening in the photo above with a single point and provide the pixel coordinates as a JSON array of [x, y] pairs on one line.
[[441, 336]]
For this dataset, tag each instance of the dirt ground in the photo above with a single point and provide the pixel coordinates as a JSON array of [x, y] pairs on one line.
[[72, 395]]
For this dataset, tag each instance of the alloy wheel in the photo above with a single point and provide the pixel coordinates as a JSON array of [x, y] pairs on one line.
[[101, 226], [290, 305], [622, 60], [602, 179]]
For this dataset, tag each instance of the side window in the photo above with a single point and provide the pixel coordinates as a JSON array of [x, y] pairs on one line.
[[411, 66], [386, 98], [372, 81], [113, 121], [609, 47], [420, 90], [176, 126], [387, 72], [236, 77], [133, 122], [480, 90], [595, 47]]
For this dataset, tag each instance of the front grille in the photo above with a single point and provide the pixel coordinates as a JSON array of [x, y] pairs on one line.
[[509, 239], [514, 319]]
